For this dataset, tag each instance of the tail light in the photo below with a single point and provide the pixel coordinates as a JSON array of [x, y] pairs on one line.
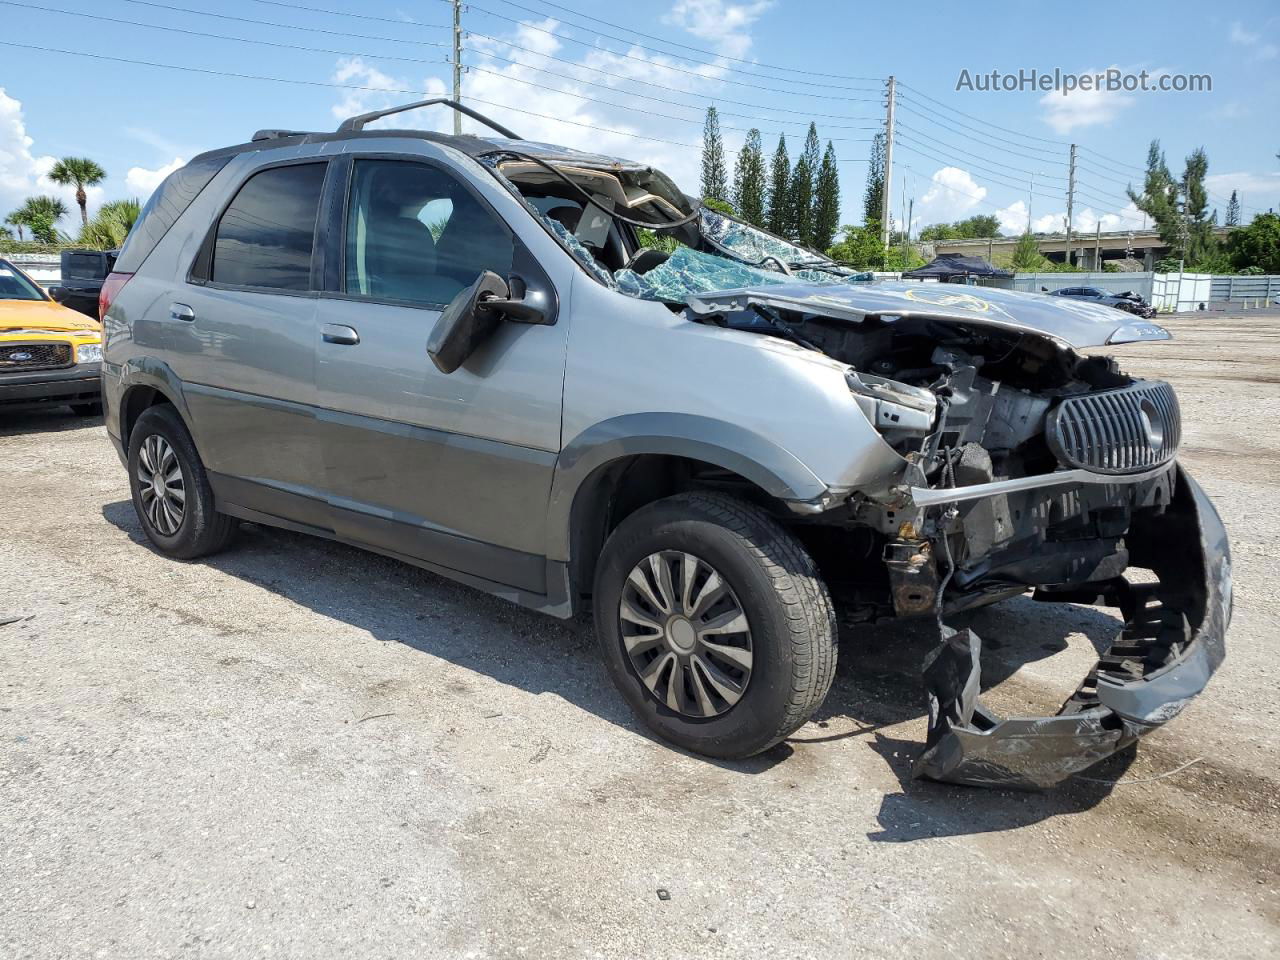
[[111, 287]]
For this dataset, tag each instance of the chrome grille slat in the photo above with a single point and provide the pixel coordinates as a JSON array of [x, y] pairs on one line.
[[1107, 431], [39, 355]]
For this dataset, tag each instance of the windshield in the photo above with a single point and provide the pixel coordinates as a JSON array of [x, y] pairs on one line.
[[687, 272], [15, 285]]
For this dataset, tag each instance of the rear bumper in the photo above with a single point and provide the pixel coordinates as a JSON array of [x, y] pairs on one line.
[[81, 383], [1173, 640]]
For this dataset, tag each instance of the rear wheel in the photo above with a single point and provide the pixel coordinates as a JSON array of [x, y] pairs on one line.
[[171, 491], [714, 624]]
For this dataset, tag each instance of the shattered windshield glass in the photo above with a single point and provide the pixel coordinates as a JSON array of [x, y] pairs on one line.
[[752, 244], [687, 272]]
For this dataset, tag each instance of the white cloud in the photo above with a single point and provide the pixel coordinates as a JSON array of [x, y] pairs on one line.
[[952, 195], [1257, 191], [141, 182], [1084, 108], [723, 25], [23, 174], [1085, 220], [1262, 50]]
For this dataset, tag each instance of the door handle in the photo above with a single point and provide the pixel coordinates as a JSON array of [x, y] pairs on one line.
[[180, 311], [340, 333]]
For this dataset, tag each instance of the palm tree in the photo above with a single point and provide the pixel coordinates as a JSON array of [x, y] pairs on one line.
[[16, 219], [81, 171], [111, 224], [41, 214]]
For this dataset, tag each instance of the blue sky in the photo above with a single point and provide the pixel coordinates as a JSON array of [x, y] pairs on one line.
[[772, 65]]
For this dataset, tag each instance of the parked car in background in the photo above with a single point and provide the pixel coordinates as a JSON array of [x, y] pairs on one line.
[[1127, 301], [48, 353], [456, 351], [83, 272]]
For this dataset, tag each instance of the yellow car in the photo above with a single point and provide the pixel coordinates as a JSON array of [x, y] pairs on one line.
[[48, 352]]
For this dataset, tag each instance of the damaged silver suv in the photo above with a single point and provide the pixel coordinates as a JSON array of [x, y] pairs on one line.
[[553, 376]]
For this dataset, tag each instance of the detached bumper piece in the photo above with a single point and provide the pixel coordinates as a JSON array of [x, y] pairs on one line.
[[1173, 639]]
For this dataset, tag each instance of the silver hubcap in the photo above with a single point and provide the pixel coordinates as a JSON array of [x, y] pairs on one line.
[[161, 485], [686, 634]]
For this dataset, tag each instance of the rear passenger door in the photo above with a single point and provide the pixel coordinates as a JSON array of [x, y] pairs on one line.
[[242, 333], [452, 469]]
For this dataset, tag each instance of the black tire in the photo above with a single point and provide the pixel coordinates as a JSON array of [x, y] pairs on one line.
[[202, 530], [777, 585], [87, 409]]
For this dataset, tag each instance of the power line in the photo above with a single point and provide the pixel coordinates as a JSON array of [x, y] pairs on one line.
[[943, 143], [951, 109], [667, 66], [619, 106], [691, 106], [965, 130], [320, 83], [357, 16], [220, 36], [287, 26], [708, 98], [991, 175], [666, 53], [685, 46]]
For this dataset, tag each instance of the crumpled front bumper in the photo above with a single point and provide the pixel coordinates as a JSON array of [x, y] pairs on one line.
[[1173, 639]]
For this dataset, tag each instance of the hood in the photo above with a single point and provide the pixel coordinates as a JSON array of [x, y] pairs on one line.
[[43, 316], [1076, 323]]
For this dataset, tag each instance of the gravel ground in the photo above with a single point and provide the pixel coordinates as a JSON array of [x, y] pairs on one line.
[[299, 749]]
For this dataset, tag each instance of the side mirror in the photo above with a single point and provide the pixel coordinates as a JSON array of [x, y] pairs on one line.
[[55, 293], [472, 317]]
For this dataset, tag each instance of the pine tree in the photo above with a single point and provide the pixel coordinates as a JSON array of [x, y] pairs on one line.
[[749, 180], [803, 179], [1233, 211], [715, 180], [1201, 243], [778, 219], [873, 196], [1026, 254], [826, 201], [1159, 197]]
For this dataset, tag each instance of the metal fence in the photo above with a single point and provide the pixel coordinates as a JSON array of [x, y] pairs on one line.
[[1139, 283], [1249, 291]]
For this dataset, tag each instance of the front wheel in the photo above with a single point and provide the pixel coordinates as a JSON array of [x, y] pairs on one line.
[[714, 623]]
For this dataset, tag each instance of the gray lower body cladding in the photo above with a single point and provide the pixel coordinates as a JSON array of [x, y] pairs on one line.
[[1173, 639]]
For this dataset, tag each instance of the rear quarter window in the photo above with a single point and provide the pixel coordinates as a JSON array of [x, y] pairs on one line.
[[169, 201]]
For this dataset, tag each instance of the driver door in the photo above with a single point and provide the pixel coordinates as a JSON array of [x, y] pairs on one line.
[[451, 469]]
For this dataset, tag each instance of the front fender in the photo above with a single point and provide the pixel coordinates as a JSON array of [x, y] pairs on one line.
[[770, 467]]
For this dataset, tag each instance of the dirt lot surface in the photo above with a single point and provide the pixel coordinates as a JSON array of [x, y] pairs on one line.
[[297, 749]]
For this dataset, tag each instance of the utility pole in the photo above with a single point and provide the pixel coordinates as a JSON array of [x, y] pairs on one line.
[[457, 64], [1097, 246], [888, 164], [1071, 197]]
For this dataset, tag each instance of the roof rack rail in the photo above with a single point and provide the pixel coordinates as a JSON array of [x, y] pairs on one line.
[[353, 124], [278, 134]]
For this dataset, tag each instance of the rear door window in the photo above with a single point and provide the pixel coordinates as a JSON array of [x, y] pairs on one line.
[[266, 237]]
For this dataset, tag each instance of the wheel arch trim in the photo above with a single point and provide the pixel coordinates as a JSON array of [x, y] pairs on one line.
[[773, 469]]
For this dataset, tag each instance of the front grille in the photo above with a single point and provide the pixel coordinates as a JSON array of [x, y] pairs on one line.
[[34, 356], [1117, 431]]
